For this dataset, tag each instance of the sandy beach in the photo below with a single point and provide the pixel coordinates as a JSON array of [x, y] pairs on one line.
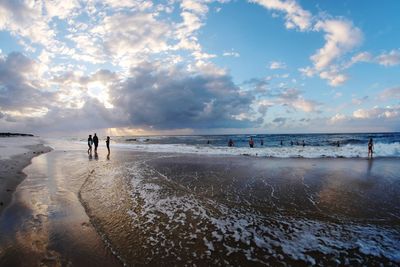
[[138, 208]]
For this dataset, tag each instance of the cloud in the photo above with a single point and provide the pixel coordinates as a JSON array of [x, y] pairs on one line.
[[19, 84], [376, 119], [173, 98], [359, 101], [334, 77], [340, 37], [292, 98], [279, 120], [231, 54], [337, 118], [274, 65], [377, 113], [389, 59], [136, 35], [390, 93], [295, 15]]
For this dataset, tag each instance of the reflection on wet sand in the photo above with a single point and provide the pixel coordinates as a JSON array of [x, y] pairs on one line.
[[46, 225]]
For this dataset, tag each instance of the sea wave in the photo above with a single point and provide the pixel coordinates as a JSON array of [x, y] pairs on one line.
[[345, 151]]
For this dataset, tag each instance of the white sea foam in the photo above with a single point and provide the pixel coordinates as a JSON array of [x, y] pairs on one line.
[[345, 151], [255, 236]]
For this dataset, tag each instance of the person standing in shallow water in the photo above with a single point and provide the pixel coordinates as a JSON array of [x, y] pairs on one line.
[[370, 148], [251, 142], [95, 142], [108, 144], [230, 143], [89, 142]]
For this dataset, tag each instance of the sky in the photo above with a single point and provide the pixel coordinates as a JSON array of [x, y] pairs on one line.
[[138, 67]]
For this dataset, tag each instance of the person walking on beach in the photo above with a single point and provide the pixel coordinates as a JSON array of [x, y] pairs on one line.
[[108, 144], [251, 142], [89, 142], [230, 143], [370, 148], [95, 142]]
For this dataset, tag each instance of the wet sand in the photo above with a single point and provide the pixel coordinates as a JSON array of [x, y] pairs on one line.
[[46, 225], [160, 209], [11, 174], [169, 209]]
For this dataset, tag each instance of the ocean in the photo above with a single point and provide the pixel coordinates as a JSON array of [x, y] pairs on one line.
[[351, 145]]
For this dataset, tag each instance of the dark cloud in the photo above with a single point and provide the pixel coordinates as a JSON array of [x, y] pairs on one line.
[[151, 98], [171, 99], [93, 115], [280, 121], [18, 87]]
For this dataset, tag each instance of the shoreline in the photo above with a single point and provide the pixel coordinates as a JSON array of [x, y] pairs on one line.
[[11, 172]]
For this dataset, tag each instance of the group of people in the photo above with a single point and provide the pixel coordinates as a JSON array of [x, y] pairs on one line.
[[95, 141], [251, 144]]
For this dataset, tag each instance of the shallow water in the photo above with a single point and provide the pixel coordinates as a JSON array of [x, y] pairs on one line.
[[201, 210], [46, 225]]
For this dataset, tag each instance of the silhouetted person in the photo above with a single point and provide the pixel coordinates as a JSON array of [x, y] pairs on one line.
[[89, 142], [291, 143], [95, 142], [281, 143], [108, 144], [208, 142], [304, 144], [338, 144], [251, 142], [370, 148], [230, 143], [262, 142]]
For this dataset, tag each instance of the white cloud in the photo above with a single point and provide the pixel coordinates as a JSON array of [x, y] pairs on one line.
[[295, 15], [292, 98], [389, 59], [60, 8], [231, 54], [137, 4], [341, 37], [124, 37], [274, 65], [333, 77], [338, 117], [377, 112], [305, 105], [307, 71]]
